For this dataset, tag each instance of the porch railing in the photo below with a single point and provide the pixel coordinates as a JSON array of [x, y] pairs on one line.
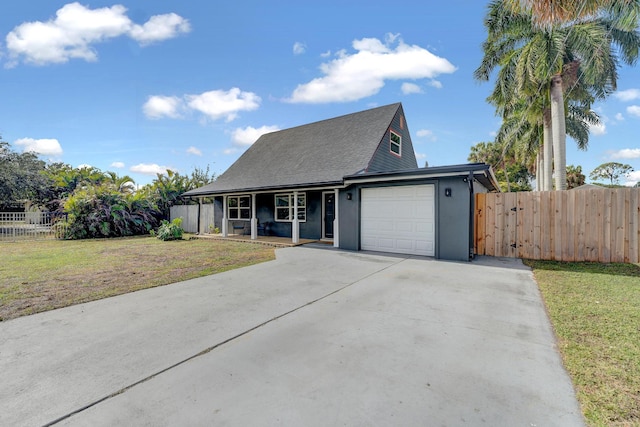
[[16, 226]]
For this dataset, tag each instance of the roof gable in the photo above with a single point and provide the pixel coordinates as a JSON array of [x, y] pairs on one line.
[[311, 154]]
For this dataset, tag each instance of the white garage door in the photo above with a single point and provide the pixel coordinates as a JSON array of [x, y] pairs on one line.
[[398, 219]]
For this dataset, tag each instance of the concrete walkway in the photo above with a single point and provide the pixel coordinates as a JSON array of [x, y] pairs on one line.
[[317, 337]]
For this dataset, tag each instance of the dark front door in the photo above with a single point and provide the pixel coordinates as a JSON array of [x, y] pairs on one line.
[[329, 214]]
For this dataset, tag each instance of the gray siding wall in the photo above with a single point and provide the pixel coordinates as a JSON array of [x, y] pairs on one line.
[[383, 159], [452, 216], [453, 219]]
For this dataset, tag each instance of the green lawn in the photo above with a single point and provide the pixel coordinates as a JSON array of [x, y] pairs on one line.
[[42, 275], [595, 311]]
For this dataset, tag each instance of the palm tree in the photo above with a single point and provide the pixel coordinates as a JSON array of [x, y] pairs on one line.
[[553, 64], [123, 184], [547, 13]]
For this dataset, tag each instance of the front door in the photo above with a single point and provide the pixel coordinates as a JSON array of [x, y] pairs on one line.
[[329, 209]]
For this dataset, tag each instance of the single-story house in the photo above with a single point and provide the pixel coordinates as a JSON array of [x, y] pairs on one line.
[[352, 180]]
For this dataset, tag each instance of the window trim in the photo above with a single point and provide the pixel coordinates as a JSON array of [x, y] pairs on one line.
[[289, 207], [393, 143], [238, 207]]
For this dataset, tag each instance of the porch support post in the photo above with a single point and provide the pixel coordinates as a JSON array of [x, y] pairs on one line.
[[225, 225], [254, 218], [295, 224], [336, 221]]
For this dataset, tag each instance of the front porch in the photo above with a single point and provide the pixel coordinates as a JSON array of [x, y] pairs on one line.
[[275, 241]]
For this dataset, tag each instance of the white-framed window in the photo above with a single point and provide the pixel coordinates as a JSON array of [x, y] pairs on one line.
[[395, 143], [239, 207], [284, 207]]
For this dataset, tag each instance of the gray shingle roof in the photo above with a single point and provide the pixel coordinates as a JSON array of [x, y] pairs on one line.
[[311, 154]]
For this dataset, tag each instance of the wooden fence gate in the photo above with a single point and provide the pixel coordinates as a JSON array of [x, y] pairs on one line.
[[600, 225]]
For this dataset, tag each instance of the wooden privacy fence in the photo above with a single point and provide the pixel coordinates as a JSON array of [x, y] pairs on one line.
[[190, 214], [600, 225]]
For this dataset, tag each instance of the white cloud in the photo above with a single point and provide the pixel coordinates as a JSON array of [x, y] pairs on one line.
[[159, 28], [84, 166], [76, 29], [218, 104], [326, 54], [299, 48], [48, 147], [627, 95], [150, 169], [599, 129], [420, 156], [435, 83], [158, 106], [426, 133], [230, 151], [409, 88], [634, 110], [632, 178], [193, 150], [350, 77], [117, 165], [249, 135], [626, 153], [619, 117]]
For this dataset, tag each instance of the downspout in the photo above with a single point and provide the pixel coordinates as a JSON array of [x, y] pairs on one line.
[[472, 212]]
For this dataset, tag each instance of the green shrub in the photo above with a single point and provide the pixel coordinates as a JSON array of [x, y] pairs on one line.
[[170, 230]]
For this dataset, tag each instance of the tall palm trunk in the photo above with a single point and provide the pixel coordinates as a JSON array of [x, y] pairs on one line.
[[558, 130], [539, 170], [547, 156]]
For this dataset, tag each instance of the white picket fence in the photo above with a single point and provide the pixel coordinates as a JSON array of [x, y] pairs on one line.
[[31, 226], [189, 215]]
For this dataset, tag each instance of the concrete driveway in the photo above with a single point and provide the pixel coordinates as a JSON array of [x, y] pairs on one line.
[[317, 337]]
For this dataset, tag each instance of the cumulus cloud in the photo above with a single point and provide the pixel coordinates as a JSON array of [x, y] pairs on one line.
[[299, 48], [75, 30], [599, 129], [150, 169], [426, 133], [409, 88], [634, 110], [158, 106], [47, 147], [350, 77], [249, 135], [435, 83], [230, 151], [619, 117], [627, 95], [117, 165], [631, 178], [215, 104], [159, 28], [626, 153], [193, 150]]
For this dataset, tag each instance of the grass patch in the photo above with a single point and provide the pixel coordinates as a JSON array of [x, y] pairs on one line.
[[595, 311], [43, 275]]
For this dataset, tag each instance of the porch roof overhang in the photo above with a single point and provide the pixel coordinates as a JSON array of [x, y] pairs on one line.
[[212, 192], [481, 172]]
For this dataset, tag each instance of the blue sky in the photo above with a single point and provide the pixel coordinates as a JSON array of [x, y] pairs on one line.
[[138, 87]]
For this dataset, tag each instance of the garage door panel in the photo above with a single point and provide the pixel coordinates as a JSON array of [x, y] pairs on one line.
[[398, 219]]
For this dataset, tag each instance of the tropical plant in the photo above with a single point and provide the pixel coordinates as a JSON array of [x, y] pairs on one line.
[[611, 171], [548, 67], [575, 177], [512, 174], [170, 230], [101, 211]]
